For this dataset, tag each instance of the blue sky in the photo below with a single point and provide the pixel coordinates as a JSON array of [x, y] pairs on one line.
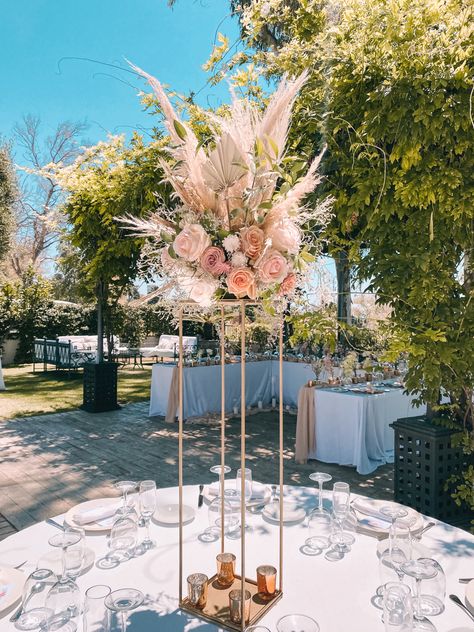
[[171, 44]]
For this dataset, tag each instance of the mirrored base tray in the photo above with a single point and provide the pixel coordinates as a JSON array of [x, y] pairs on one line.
[[216, 609]]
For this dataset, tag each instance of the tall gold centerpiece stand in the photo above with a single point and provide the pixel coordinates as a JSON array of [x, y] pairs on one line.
[[217, 607]]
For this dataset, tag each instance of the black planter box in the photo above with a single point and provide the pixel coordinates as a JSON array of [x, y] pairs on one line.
[[100, 387], [424, 461]]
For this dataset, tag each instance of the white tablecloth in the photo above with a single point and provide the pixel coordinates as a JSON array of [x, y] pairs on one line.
[[336, 594], [2, 383], [354, 429]]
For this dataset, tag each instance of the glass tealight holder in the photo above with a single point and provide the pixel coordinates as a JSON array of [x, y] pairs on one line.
[[235, 605], [197, 590], [266, 581], [225, 569]]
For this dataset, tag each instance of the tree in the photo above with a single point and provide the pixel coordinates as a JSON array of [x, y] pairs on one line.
[[107, 181], [39, 220], [8, 200]]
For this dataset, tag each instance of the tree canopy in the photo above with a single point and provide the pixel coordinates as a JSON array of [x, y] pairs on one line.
[[8, 198]]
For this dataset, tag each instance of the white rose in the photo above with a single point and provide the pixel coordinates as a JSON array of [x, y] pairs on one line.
[[191, 242], [285, 236], [202, 291]]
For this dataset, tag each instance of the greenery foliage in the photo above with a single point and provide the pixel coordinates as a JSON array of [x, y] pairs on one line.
[[8, 196]]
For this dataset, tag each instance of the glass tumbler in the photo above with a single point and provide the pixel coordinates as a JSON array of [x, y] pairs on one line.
[[96, 615]]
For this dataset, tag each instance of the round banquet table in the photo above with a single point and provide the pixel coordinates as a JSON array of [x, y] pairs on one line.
[[337, 594]]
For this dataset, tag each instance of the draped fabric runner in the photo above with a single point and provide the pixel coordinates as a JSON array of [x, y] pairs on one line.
[[305, 424], [173, 397]]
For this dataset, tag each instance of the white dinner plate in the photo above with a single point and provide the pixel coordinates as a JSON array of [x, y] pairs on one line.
[[292, 513], [367, 509], [260, 499], [169, 514], [11, 587], [101, 525]]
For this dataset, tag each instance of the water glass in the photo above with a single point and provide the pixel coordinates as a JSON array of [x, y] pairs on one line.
[[433, 590], [247, 483], [34, 611], [65, 602], [96, 615], [397, 608]]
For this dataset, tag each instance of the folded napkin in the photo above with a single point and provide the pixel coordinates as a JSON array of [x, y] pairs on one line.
[[96, 514], [259, 490], [368, 514]]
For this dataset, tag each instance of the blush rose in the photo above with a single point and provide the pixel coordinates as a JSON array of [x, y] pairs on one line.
[[273, 267], [252, 238], [191, 242], [241, 283]]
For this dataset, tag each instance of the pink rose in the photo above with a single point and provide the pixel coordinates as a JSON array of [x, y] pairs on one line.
[[191, 242], [241, 283], [273, 268], [252, 238], [213, 261], [288, 284], [285, 236]]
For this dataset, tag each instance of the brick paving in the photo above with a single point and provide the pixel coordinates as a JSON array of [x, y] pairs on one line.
[[50, 462]]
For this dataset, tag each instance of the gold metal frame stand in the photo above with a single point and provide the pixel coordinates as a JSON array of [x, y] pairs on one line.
[[217, 609]]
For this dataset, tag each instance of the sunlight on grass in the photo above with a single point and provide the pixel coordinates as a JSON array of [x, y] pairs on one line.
[[35, 393]]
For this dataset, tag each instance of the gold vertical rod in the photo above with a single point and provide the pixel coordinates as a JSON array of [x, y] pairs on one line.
[[222, 424], [180, 452], [280, 361], [242, 460]]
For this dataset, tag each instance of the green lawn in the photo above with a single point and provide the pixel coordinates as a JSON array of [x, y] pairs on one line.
[[31, 393]]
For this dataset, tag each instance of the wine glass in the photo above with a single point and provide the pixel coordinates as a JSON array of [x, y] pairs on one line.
[[125, 487], [433, 590], [398, 552], [64, 601], [63, 540], [74, 553], [340, 506], [221, 471], [297, 622], [147, 501], [122, 539], [397, 607], [320, 478], [122, 601], [33, 609], [420, 570], [247, 484]]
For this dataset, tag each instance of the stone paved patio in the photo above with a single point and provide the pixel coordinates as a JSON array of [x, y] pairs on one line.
[[50, 462]]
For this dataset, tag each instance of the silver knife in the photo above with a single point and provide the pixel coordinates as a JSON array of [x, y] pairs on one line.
[[200, 497], [465, 580], [455, 599]]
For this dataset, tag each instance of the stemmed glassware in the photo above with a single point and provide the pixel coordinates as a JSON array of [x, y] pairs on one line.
[[319, 520], [420, 570], [222, 511], [340, 506], [397, 607], [64, 597], [122, 601], [397, 553], [299, 622], [125, 487], [247, 484], [122, 540], [147, 501], [320, 478], [33, 609]]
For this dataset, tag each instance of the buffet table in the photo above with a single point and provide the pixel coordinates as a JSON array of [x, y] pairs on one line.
[[337, 594], [354, 428]]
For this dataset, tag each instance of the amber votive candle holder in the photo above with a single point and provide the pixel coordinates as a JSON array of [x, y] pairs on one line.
[[197, 590], [266, 581], [225, 569], [235, 605]]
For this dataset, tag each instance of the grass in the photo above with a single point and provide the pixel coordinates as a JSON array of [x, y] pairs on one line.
[[38, 393]]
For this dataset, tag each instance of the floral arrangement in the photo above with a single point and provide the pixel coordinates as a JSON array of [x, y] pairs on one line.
[[349, 364], [237, 228]]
